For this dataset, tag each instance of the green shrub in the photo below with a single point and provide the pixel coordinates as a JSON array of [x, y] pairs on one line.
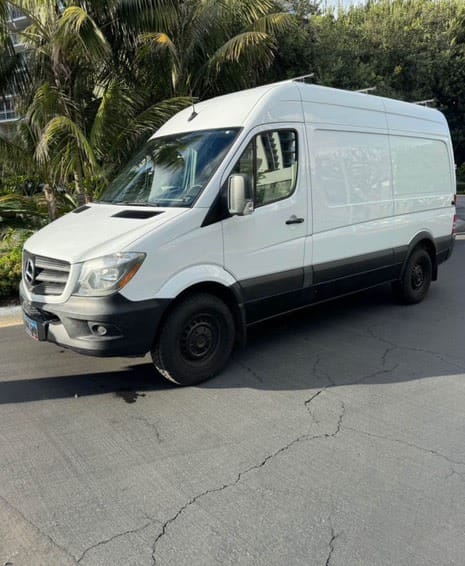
[[10, 273], [460, 173], [20, 185]]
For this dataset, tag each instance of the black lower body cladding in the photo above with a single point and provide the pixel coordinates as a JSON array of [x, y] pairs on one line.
[[99, 326]]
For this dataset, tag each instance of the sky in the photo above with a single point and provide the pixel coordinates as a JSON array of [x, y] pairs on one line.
[[335, 3]]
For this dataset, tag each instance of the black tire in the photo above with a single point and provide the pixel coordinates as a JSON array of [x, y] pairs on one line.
[[195, 341], [416, 278]]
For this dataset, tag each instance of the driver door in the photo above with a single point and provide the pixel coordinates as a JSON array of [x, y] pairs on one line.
[[264, 251]]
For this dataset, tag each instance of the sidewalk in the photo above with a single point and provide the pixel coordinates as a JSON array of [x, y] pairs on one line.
[[10, 316]]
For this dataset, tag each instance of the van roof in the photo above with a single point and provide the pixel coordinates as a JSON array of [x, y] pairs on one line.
[[290, 101]]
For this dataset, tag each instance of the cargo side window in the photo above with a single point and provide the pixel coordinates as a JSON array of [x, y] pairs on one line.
[[269, 164]]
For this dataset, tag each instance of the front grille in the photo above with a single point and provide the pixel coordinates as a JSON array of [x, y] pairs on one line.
[[45, 275]]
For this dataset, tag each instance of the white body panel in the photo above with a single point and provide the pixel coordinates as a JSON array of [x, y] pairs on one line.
[[96, 232], [179, 249], [362, 200]]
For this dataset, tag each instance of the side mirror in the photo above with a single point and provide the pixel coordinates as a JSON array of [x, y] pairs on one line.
[[238, 204]]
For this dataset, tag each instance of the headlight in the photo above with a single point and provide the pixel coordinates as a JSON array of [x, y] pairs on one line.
[[108, 274]]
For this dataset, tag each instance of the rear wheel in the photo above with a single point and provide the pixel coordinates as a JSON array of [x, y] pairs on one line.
[[416, 279], [195, 341]]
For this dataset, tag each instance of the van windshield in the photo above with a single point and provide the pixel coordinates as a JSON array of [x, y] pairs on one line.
[[172, 170]]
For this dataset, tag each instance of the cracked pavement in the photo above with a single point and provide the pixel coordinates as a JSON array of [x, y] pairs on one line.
[[335, 439]]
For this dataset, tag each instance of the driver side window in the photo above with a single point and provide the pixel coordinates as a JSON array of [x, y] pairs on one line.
[[269, 164]]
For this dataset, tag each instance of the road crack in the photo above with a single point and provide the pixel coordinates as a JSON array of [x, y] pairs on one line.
[[307, 405], [250, 371], [38, 530], [151, 425], [332, 541], [392, 346], [114, 537], [302, 438], [383, 371], [318, 372], [408, 444], [454, 472]]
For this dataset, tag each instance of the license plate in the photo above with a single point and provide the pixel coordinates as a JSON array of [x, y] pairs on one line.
[[32, 327]]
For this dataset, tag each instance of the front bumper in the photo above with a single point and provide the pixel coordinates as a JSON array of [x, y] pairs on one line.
[[130, 327]]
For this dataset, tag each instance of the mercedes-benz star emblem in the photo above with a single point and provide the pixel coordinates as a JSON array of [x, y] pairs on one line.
[[29, 272]]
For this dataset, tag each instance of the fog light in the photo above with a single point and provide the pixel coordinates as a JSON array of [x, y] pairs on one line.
[[99, 329]]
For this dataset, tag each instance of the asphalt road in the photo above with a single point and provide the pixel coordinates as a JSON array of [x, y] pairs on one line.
[[335, 438]]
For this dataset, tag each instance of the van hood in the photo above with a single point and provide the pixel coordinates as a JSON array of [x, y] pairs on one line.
[[98, 229]]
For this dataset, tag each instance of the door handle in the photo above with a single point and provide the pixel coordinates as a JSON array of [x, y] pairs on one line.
[[294, 220]]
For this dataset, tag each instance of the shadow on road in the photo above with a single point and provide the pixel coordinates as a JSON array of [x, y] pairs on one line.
[[129, 384], [323, 346]]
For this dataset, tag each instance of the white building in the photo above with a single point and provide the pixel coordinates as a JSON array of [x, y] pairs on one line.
[[8, 115]]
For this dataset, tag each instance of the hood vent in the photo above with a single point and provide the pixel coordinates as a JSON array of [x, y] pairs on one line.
[[81, 209], [140, 214]]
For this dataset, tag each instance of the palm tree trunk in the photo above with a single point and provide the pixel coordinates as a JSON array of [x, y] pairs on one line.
[[82, 196], [50, 199]]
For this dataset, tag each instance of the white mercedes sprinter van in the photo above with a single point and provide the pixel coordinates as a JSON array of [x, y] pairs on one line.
[[251, 205]]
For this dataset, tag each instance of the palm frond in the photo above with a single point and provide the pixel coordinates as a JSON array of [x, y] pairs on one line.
[[160, 43], [157, 40], [244, 46], [146, 123], [61, 131], [249, 11], [276, 23], [115, 109], [76, 22], [157, 114], [17, 211], [48, 102], [4, 12], [142, 15], [14, 153]]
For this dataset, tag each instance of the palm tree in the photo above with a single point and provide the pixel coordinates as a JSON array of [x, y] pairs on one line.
[[32, 201], [83, 116], [104, 75], [211, 47]]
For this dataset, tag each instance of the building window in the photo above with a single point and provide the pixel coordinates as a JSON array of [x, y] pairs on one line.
[[16, 39], [7, 110], [15, 14]]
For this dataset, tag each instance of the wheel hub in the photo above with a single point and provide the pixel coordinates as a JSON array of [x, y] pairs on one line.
[[199, 339], [418, 276]]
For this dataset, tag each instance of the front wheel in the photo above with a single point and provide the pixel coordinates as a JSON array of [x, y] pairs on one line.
[[195, 341], [416, 279]]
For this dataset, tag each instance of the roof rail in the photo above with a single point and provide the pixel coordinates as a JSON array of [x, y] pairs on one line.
[[426, 102], [366, 90], [303, 78]]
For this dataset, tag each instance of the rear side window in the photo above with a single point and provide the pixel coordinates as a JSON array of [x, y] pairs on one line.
[[269, 164]]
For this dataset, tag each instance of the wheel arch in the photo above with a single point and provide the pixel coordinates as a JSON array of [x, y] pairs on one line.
[[425, 240], [229, 294]]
